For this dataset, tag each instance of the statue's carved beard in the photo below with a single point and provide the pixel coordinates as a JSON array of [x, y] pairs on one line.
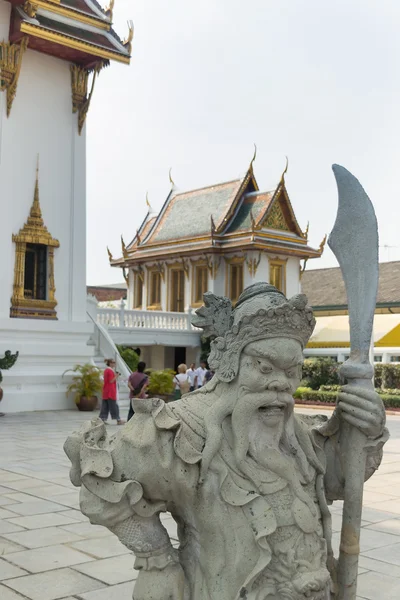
[[243, 407]]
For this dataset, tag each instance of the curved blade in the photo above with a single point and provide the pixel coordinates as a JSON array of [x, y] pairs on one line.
[[354, 241]]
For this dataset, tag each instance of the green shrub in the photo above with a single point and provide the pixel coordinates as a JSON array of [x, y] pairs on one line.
[[329, 388], [300, 391], [387, 376], [320, 371], [318, 396], [87, 381], [389, 400], [7, 361], [161, 382], [129, 356]]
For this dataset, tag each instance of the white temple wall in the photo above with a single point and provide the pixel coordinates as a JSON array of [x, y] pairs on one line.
[[41, 123], [292, 277]]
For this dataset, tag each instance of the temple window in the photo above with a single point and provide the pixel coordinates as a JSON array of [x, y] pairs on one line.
[[200, 283], [277, 274], [235, 281], [155, 290], [138, 292], [34, 287], [177, 290]]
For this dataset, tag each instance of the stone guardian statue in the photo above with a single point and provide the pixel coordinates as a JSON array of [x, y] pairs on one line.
[[247, 480]]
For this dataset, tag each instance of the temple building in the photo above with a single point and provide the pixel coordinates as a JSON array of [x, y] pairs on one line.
[[51, 52], [220, 238]]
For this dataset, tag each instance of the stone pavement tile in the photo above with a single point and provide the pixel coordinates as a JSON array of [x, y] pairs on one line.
[[4, 490], [390, 526], [372, 586], [87, 530], [40, 521], [37, 507], [101, 547], [37, 538], [8, 571], [392, 506], [4, 501], [373, 515], [372, 564], [21, 496], [71, 499], [116, 592], [372, 497], [8, 476], [118, 569], [393, 489], [48, 558], [23, 484], [6, 547], [53, 585], [8, 527], [7, 594], [52, 491], [369, 540], [75, 514], [5, 513], [389, 554]]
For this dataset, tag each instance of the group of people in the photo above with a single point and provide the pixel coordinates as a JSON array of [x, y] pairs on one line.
[[186, 380], [190, 379]]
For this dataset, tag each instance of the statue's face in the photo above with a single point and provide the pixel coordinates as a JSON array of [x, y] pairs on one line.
[[270, 372]]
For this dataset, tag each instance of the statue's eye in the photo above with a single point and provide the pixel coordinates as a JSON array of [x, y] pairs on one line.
[[264, 367], [294, 372]]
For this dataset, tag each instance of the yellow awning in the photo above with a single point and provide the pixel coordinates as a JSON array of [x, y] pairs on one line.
[[333, 332]]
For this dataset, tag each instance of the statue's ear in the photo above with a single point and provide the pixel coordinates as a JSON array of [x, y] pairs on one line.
[[215, 316]]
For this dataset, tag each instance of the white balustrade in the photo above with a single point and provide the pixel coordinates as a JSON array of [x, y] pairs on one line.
[[144, 319]]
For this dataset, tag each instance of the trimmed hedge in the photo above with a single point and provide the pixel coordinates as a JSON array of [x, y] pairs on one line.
[[304, 394], [320, 371], [387, 376]]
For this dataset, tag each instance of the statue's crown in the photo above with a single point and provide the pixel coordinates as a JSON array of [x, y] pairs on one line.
[[261, 312]]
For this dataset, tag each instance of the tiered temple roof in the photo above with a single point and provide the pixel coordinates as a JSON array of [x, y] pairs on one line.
[[219, 219], [79, 31]]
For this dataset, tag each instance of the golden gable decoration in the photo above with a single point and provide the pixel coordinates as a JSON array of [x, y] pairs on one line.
[[276, 219]]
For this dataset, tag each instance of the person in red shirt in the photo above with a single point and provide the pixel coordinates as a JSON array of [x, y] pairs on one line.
[[109, 403]]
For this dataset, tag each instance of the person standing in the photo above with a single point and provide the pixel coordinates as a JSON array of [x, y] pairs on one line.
[[109, 403], [182, 382], [201, 374], [137, 384], [191, 373]]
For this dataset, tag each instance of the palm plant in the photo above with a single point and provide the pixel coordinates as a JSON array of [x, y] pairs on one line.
[[161, 382], [86, 383]]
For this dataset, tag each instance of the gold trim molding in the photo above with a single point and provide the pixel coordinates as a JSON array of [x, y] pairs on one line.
[[33, 232], [79, 85], [253, 264], [10, 68], [79, 45]]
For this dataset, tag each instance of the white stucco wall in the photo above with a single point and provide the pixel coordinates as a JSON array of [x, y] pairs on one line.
[[41, 123]]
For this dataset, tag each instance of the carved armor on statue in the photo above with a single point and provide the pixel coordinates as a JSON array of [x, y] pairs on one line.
[[247, 480]]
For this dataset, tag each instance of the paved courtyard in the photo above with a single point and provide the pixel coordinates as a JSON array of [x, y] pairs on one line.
[[49, 550]]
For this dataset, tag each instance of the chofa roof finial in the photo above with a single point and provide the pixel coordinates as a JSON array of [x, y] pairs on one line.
[[284, 171]]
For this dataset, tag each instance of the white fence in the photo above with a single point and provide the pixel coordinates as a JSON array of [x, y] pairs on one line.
[[144, 319]]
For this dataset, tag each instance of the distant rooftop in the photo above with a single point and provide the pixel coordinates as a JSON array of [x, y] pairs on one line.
[[325, 287]]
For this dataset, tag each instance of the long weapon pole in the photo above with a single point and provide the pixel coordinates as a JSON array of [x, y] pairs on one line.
[[354, 241]]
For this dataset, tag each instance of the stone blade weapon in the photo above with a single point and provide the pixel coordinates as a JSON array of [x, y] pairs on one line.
[[354, 241]]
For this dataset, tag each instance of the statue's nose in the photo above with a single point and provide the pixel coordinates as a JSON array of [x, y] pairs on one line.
[[279, 384]]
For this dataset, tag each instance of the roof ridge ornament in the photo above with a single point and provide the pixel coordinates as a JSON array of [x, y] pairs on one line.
[[172, 182], [110, 10], [282, 180], [128, 42], [254, 158]]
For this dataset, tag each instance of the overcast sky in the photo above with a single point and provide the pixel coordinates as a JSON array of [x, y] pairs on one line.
[[316, 80]]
